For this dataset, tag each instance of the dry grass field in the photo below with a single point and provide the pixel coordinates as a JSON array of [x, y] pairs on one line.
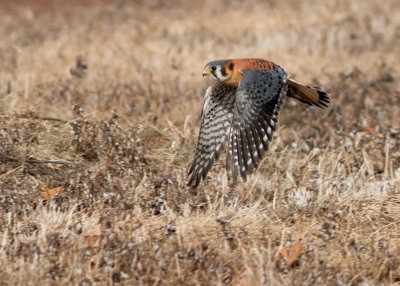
[[94, 162]]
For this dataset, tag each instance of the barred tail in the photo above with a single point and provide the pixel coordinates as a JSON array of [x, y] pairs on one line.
[[308, 94]]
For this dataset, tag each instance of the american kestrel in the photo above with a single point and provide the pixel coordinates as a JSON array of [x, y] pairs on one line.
[[241, 108]]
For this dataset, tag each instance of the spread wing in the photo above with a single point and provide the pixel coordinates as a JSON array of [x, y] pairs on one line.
[[259, 98], [216, 120]]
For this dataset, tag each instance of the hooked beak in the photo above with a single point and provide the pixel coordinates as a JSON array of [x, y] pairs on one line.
[[206, 73]]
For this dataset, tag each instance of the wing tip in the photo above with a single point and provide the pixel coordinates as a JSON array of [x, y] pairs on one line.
[[194, 181]]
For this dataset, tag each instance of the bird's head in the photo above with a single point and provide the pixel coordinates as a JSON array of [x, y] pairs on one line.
[[221, 70]]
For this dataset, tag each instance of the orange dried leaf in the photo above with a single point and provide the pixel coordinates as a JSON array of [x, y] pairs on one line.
[[110, 105], [370, 128], [50, 193], [290, 253], [92, 240]]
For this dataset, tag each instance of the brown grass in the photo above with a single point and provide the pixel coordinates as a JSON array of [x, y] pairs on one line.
[[127, 131]]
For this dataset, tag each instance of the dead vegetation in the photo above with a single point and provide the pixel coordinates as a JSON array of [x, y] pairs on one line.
[[99, 116]]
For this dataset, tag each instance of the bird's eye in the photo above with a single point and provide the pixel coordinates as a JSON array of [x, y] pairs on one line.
[[213, 68]]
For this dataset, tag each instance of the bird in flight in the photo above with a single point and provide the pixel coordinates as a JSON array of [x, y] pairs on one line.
[[241, 110]]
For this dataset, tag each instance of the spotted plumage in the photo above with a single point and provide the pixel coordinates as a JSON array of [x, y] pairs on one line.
[[241, 110]]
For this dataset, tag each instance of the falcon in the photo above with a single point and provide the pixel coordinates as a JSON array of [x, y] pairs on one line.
[[241, 110]]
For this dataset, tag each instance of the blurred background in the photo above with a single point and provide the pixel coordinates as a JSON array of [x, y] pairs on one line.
[[126, 42]]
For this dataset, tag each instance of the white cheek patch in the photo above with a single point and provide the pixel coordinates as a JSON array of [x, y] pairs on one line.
[[219, 75]]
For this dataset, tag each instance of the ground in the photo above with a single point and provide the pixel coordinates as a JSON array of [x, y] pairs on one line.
[[99, 115]]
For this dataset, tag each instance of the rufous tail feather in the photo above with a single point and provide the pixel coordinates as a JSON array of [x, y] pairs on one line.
[[308, 94]]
